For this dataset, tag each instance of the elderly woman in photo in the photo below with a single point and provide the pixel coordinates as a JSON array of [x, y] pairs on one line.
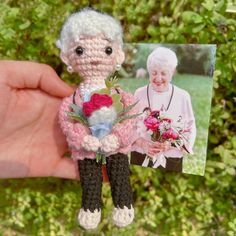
[[168, 101], [91, 45]]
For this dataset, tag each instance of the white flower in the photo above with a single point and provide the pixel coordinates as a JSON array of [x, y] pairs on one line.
[[103, 115]]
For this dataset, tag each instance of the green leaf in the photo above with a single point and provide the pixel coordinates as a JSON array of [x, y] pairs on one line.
[[76, 108], [104, 160], [127, 117], [208, 4], [129, 108], [111, 82], [108, 83], [219, 5], [77, 117], [25, 25], [198, 28], [100, 157], [13, 12], [103, 91], [191, 17], [230, 171], [116, 98]]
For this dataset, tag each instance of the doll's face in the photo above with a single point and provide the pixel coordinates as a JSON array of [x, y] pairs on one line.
[[160, 77], [94, 56]]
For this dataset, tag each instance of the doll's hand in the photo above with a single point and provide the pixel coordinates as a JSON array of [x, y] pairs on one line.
[[109, 143], [31, 141], [91, 143]]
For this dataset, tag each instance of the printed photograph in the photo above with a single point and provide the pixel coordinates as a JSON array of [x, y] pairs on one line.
[[173, 86]]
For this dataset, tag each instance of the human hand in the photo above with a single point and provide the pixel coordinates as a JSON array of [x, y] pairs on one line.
[[152, 148], [157, 147], [31, 141]]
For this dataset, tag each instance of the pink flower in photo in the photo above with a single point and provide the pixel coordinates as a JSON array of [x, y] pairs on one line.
[[167, 120], [170, 134], [152, 123], [155, 113]]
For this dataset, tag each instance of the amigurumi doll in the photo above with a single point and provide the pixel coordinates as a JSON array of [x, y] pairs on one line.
[[99, 119]]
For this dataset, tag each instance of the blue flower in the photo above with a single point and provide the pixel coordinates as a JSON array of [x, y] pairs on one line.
[[101, 130]]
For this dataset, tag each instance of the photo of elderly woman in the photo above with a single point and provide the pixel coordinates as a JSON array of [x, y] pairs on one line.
[[172, 130], [171, 103]]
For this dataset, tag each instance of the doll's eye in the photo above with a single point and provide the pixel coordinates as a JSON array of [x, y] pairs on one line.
[[108, 50], [79, 50]]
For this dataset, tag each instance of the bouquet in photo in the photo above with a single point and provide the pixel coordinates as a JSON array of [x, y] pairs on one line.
[[101, 112], [163, 129]]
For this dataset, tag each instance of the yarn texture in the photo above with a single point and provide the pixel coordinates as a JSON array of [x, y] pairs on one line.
[[125, 132], [91, 45]]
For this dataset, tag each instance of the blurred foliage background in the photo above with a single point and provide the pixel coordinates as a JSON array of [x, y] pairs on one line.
[[197, 59], [166, 204]]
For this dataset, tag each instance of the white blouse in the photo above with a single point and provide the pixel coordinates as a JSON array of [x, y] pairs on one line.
[[177, 105]]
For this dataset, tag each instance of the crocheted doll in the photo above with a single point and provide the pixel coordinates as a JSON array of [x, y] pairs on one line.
[[99, 118]]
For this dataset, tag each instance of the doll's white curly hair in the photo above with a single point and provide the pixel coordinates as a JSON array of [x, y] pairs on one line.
[[88, 22], [162, 56]]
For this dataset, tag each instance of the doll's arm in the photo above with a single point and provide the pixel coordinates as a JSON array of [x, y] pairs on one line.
[[77, 135], [126, 130]]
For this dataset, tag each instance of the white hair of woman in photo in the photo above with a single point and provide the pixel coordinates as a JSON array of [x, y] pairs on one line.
[[91, 45], [160, 94]]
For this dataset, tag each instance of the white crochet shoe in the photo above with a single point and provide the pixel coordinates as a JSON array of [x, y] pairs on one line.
[[88, 219], [123, 217]]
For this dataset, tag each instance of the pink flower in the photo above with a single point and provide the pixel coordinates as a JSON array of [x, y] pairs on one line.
[[167, 120], [96, 102], [170, 134], [155, 113], [152, 123]]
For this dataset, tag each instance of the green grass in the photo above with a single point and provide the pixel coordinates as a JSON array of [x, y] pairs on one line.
[[200, 90]]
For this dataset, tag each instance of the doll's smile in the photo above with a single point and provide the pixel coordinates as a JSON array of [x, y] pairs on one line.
[[95, 62]]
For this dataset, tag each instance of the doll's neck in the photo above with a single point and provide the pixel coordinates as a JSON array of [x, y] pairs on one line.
[[91, 84]]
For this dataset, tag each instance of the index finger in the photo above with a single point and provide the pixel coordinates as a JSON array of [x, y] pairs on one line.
[[32, 75]]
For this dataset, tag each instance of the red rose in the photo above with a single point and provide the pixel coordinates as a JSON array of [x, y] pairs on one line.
[[88, 108], [152, 123], [101, 100], [96, 102]]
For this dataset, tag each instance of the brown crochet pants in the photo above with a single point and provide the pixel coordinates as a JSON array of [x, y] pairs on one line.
[[91, 182]]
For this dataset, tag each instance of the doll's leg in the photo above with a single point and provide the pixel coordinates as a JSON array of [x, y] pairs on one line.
[[118, 173], [91, 182]]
